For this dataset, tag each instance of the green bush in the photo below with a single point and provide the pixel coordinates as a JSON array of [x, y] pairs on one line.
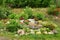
[[39, 16], [12, 16], [4, 12], [24, 16], [52, 2], [28, 11], [13, 25], [50, 25], [52, 10], [30, 3]]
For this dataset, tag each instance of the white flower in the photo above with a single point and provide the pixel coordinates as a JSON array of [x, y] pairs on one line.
[[21, 32]]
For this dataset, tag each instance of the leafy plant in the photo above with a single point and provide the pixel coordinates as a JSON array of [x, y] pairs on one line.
[[4, 12], [39, 16], [28, 11], [24, 15], [50, 25], [12, 16], [52, 10], [13, 26], [30, 3]]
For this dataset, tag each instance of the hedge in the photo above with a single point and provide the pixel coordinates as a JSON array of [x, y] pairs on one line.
[[30, 3]]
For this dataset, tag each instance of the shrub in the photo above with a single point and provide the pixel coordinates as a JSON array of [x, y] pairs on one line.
[[39, 16], [52, 10], [30, 3], [13, 25], [4, 12], [58, 3], [23, 15], [28, 11], [49, 25], [18, 16], [12, 16], [52, 2]]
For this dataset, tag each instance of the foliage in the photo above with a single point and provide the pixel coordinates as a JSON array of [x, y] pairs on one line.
[[12, 16], [52, 2], [13, 25], [58, 3], [49, 25], [24, 3], [24, 15], [52, 10], [4, 12], [28, 11], [39, 16]]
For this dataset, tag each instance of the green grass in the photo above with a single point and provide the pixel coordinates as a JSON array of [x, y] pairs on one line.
[[32, 37]]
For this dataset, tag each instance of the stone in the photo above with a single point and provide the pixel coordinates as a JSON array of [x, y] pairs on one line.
[[54, 31], [31, 24], [32, 20], [50, 32], [21, 32], [22, 21]]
